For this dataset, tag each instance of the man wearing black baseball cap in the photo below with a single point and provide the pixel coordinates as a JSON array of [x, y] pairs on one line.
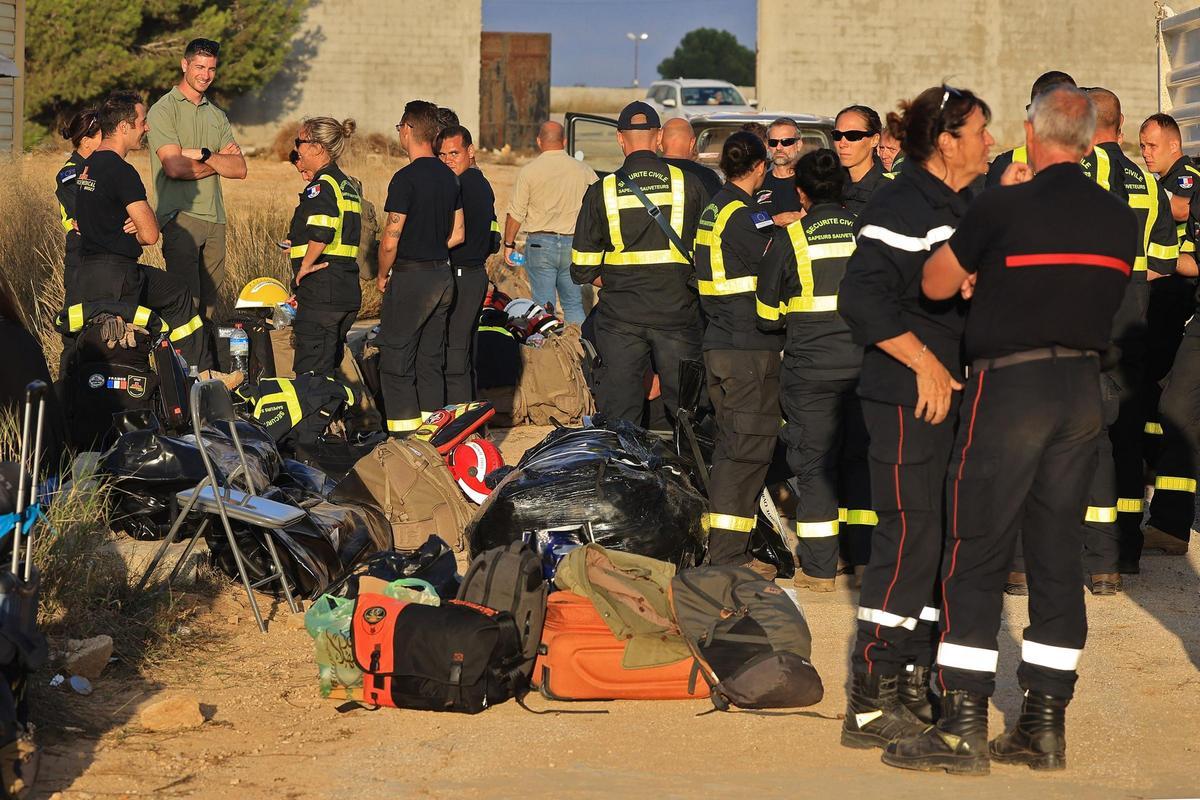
[[634, 238]]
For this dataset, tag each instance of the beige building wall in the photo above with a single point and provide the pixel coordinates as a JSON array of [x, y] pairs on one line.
[[817, 56], [364, 59], [12, 90]]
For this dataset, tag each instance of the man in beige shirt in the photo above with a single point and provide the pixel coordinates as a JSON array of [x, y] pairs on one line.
[[545, 201]]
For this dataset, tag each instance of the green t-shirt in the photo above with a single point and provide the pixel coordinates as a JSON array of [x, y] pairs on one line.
[[176, 120]]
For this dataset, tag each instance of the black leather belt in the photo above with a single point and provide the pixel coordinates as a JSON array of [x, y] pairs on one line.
[[1026, 356], [404, 265]]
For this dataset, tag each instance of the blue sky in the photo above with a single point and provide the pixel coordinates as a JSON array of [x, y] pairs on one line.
[[587, 37]]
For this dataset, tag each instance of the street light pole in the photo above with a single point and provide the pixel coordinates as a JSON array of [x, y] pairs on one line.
[[636, 39]]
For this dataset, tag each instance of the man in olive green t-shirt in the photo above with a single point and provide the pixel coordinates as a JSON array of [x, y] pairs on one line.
[[191, 149]]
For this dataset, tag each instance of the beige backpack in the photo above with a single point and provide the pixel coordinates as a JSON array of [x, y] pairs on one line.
[[410, 481], [552, 383]]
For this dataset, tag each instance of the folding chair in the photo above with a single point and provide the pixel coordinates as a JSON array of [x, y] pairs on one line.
[[210, 402]]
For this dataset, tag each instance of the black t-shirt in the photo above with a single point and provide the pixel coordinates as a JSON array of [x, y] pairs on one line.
[[778, 195], [708, 179], [1053, 258], [427, 192], [108, 184], [479, 211]]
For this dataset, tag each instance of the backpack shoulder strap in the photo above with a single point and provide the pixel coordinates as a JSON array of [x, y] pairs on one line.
[[655, 213]]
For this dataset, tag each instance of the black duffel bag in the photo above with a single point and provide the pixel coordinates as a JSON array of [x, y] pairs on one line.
[[454, 657]]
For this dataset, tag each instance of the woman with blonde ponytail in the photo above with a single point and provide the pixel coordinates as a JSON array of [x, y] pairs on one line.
[[324, 236]]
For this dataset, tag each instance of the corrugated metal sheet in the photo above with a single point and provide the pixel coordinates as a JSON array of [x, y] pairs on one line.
[[1181, 40], [514, 88]]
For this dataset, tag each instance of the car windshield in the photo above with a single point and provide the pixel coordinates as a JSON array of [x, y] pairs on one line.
[[712, 96], [711, 138]]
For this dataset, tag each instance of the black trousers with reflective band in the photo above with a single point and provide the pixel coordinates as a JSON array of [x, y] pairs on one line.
[[320, 338], [627, 354], [1022, 463], [1101, 529], [826, 442], [744, 388], [470, 287], [126, 281], [1127, 432], [897, 613], [412, 345], [1173, 507], [1172, 301]]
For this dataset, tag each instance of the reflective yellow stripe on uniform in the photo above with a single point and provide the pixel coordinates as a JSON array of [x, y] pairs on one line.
[[1169, 484], [75, 318], [857, 516], [808, 301], [345, 205], [185, 330], [612, 209], [1100, 514], [1152, 428], [494, 329], [585, 259], [404, 425], [729, 522], [1129, 505], [720, 285], [286, 395], [67, 223], [495, 226], [141, 316], [1103, 165], [817, 530]]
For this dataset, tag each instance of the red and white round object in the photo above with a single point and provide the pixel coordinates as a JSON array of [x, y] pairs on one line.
[[470, 463]]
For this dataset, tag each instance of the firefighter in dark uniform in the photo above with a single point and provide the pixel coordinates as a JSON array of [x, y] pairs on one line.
[[825, 434], [908, 386], [648, 308], [1045, 82], [742, 362], [115, 222], [424, 222], [324, 254], [1024, 455], [83, 131], [856, 134], [454, 147], [1157, 252]]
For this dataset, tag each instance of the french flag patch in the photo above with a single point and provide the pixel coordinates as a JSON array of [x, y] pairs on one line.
[[1187, 181], [117, 383]]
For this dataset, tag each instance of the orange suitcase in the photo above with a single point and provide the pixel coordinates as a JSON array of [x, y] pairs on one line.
[[580, 659]]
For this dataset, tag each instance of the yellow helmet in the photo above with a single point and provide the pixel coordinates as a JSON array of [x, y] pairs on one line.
[[262, 293]]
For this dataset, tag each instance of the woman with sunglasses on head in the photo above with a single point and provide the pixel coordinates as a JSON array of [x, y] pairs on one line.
[[83, 131], [324, 235], [856, 134], [910, 373]]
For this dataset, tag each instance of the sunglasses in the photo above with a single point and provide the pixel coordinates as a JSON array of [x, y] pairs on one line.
[[788, 142], [850, 136], [300, 141], [400, 125]]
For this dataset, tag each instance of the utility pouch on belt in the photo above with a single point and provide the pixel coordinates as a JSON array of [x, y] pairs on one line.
[[455, 657]]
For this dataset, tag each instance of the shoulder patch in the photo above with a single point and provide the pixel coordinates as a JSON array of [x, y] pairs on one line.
[[1186, 181], [761, 219], [312, 191], [68, 174], [763, 197]]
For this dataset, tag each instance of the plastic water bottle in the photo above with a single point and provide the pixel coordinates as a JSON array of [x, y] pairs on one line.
[[239, 349], [518, 258]]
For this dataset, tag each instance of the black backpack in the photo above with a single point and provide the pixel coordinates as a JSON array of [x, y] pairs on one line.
[[99, 383], [454, 657], [510, 579], [751, 641]]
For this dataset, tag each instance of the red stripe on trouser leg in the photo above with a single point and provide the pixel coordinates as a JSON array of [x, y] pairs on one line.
[[954, 525], [903, 533]]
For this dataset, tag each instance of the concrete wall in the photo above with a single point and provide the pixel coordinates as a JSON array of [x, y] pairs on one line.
[[12, 90], [818, 57], [364, 59]]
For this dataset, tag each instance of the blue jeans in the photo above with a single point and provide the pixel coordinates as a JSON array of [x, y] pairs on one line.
[[548, 265]]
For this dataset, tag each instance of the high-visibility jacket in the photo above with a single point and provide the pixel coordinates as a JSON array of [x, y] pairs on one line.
[[299, 408], [329, 211], [646, 279], [733, 236], [1158, 248], [798, 288], [65, 191], [1182, 180], [1096, 165]]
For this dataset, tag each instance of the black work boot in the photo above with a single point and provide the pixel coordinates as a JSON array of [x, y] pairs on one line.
[[957, 744], [875, 715], [1040, 738], [913, 689]]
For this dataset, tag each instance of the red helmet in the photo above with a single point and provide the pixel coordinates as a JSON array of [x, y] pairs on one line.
[[470, 462]]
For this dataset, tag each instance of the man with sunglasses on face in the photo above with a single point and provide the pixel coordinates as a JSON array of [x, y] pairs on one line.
[[778, 193], [191, 149]]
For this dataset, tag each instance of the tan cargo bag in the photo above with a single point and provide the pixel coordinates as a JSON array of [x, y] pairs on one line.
[[410, 481], [552, 383]]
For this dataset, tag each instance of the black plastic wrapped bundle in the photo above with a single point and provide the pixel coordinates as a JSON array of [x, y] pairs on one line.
[[614, 478]]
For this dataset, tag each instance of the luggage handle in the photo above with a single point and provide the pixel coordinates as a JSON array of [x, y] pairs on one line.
[[27, 484]]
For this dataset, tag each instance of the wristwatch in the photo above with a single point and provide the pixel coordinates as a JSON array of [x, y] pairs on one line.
[[205, 153], [511, 245]]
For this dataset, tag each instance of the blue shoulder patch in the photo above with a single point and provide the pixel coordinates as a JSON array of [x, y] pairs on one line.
[[67, 174], [761, 219]]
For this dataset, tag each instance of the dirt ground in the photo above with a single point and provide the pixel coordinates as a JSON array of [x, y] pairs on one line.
[[1134, 728]]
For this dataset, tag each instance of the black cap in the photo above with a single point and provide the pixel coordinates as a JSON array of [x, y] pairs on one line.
[[626, 122]]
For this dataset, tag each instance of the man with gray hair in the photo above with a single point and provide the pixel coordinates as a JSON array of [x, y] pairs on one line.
[[1052, 257], [778, 192]]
